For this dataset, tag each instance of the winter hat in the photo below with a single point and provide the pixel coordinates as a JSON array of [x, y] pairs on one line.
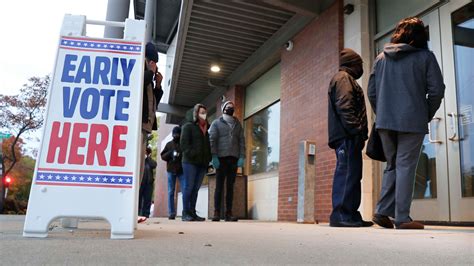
[[225, 104], [349, 58], [176, 130], [151, 53]]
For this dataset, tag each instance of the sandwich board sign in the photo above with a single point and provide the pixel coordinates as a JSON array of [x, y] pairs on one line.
[[88, 163]]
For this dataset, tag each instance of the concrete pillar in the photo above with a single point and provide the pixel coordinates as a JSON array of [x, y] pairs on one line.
[[150, 11], [357, 37], [306, 181], [117, 10]]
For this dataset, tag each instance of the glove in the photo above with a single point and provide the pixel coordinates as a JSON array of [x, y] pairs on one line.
[[215, 162], [240, 162]]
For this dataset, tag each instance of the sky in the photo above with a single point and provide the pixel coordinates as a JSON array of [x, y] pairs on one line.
[[30, 32]]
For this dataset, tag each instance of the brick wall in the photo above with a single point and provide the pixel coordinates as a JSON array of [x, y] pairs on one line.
[[305, 75]]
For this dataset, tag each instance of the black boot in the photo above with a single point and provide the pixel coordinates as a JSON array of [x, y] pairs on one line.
[[196, 217], [229, 217], [216, 217], [187, 217]]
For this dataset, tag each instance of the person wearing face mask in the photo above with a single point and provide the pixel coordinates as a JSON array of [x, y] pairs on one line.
[[172, 155], [347, 126], [196, 157], [228, 150]]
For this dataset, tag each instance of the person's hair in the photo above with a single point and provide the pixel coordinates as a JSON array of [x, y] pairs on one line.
[[196, 110], [148, 150], [411, 31]]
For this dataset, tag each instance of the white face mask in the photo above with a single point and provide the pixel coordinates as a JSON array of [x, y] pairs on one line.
[[203, 116]]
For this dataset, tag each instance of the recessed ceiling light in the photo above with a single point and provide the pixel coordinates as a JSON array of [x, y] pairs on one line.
[[215, 68]]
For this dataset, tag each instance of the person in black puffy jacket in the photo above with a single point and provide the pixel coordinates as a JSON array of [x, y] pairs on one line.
[[173, 156], [347, 125]]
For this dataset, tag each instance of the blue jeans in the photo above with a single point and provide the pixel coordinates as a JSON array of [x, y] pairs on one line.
[[193, 176], [171, 189], [346, 188]]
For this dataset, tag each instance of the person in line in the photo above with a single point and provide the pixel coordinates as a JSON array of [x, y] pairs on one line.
[[196, 157], [146, 186], [228, 152], [405, 91], [152, 93], [172, 155], [347, 126]]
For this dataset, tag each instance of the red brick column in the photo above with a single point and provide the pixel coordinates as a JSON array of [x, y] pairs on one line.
[[305, 75]]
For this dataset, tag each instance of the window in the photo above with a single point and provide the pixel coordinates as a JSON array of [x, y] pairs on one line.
[[389, 12], [262, 132]]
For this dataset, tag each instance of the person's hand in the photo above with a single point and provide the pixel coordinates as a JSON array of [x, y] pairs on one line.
[[158, 78], [240, 162], [215, 162]]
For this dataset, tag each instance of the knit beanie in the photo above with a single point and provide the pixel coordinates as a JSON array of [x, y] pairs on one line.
[[225, 104], [151, 53], [176, 130]]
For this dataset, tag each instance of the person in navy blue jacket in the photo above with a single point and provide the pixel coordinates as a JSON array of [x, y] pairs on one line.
[[405, 90]]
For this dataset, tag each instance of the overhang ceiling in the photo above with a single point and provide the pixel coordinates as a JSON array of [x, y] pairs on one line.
[[166, 21], [245, 37]]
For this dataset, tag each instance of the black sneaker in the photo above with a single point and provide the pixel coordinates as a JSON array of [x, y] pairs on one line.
[[345, 224], [197, 217], [172, 217], [187, 218], [366, 223]]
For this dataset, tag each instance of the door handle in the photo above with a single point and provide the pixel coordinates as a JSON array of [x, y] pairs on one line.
[[431, 140], [454, 127]]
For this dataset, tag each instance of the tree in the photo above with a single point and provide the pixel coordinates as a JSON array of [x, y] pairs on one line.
[[153, 143], [22, 113], [22, 175]]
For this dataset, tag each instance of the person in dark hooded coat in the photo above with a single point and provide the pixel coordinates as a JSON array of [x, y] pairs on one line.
[[172, 155], [347, 126], [196, 150], [405, 90]]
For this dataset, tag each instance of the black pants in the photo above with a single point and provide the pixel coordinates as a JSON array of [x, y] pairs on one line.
[[144, 198], [227, 170], [346, 188]]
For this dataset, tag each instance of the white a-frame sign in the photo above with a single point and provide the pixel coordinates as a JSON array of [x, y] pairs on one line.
[[88, 164]]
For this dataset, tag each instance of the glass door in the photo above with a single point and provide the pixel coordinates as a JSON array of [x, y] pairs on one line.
[[431, 195], [457, 33], [444, 182]]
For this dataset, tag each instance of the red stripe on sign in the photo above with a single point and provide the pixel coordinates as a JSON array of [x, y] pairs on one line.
[[85, 171], [91, 50], [81, 185], [100, 40]]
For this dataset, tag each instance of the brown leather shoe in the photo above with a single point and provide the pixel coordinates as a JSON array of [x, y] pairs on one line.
[[411, 225], [382, 221]]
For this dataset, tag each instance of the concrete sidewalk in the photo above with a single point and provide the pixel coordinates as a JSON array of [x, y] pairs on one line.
[[159, 241]]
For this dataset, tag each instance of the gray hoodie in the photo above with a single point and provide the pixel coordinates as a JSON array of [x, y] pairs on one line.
[[405, 88]]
